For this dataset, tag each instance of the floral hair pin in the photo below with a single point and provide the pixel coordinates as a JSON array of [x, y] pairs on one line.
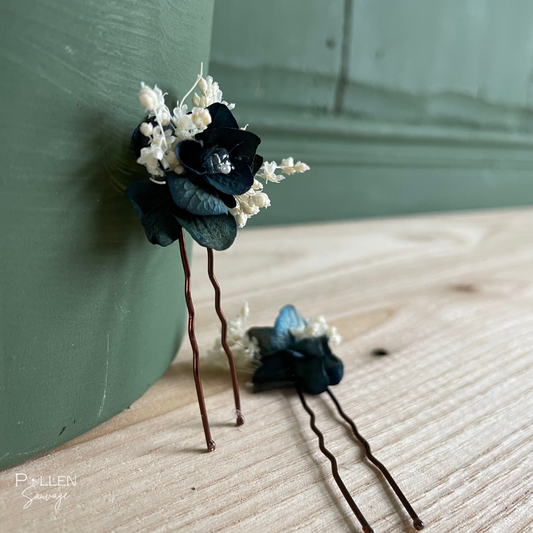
[[202, 178], [295, 353]]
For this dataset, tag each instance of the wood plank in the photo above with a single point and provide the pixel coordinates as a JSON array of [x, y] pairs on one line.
[[448, 410]]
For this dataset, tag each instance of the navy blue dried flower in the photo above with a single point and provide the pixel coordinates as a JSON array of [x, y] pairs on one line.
[[287, 360], [223, 155], [219, 163]]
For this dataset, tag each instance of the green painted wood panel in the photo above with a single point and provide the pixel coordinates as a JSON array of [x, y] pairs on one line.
[[363, 169], [278, 53], [437, 62], [427, 104], [91, 314]]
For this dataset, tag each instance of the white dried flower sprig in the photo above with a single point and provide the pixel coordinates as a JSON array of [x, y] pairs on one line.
[[168, 129], [177, 126], [245, 350], [318, 327], [159, 153], [249, 203], [211, 93], [287, 166]]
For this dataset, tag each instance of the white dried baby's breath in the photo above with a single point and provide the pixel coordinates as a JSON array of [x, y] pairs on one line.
[[288, 166], [268, 172], [317, 327], [248, 204], [210, 93], [153, 100], [168, 129], [150, 158], [200, 117]]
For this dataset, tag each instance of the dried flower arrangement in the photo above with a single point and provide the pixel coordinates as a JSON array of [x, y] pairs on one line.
[[295, 353], [203, 172]]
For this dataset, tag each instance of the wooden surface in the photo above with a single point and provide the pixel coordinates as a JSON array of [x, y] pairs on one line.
[[449, 410]]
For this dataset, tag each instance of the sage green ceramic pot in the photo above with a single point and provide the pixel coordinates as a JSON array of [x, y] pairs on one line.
[[91, 314]]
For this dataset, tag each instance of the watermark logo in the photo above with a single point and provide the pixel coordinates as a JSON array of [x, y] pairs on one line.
[[45, 488]]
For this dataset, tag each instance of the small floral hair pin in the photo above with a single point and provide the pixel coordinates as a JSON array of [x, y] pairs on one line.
[[295, 353], [203, 172]]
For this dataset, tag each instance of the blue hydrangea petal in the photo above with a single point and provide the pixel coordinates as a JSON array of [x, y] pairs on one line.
[[275, 372], [199, 180], [228, 199], [310, 374], [156, 210], [221, 116], [286, 368], [256, 165], [238, 181], [240, 144], [288, 318], [213, 231], [193, 198], [262, 335], [190, 154], [318, 348], [334, 369]]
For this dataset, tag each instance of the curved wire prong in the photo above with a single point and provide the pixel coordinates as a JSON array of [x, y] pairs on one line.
[[223, 335], [417, 522], [194, 344], [334, 467]]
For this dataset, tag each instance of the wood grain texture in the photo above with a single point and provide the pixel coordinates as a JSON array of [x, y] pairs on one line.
[[448, 410]]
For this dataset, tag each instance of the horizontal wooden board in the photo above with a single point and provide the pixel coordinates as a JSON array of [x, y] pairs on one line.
[[448, 410]]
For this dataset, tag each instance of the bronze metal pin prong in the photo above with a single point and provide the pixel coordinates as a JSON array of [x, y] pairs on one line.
[[223, 335], [194, 344], [417, 522], [334, 467]]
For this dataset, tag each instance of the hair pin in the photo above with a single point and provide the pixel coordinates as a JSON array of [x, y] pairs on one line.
[[203, 172], [295, 353]]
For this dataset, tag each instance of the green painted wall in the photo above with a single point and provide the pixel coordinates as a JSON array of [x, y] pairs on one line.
[[399, 107], [91, 314]]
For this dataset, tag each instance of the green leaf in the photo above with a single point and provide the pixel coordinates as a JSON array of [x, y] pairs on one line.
[[212, 231], [194, 199]]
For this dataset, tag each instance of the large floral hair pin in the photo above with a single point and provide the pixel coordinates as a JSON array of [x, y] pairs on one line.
[[295, 353], [203, 172]]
